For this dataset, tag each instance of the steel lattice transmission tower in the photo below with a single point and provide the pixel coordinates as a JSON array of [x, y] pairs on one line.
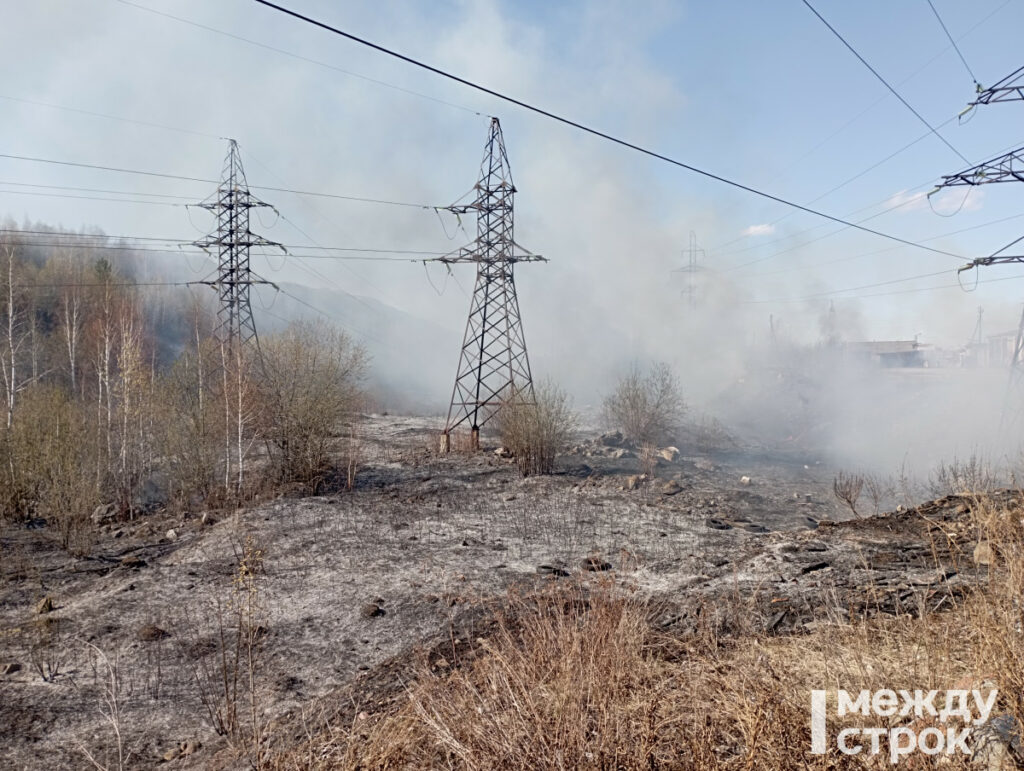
[[232, 243], [493, 363], [1008, 167], [691, 269]]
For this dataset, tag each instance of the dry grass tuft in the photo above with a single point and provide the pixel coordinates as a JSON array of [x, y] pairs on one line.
[[573, 677]]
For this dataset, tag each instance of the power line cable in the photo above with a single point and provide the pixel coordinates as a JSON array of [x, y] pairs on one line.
[[328, 316], [309, 238], [832, 292], [894, 207], [582, 127], [108, 116], [106, 199], [213, 181], [301, 58], [754, 276], [97, 190], [884, 283], [955, 46], [883, 81], [886, 294], [805, 244], [863, 112], [414, 253], [107, 283], [848, 181], [199, 252]]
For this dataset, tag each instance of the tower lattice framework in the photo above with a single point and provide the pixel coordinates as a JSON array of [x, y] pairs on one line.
[[231, 243], [1008, 167], [493, 362]]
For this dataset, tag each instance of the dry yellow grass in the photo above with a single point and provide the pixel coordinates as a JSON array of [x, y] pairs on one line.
[[580, 678]]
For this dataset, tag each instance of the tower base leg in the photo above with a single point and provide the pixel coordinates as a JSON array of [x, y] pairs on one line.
[[474, 439], [446, 442]]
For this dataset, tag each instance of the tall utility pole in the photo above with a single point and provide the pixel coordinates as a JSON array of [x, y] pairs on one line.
[[690, 269], [231, 243], [493, 364]]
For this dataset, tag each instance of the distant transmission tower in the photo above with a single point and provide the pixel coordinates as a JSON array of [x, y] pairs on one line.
[[690, 269], [493, 364], [231, 243]]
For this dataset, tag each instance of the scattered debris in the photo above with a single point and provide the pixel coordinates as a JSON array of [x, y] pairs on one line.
[[371, 610], [611, 439], [152, 633], [634, 481], [553, 570], [595, 564], [103, 514], [983, 553], [672, 487]]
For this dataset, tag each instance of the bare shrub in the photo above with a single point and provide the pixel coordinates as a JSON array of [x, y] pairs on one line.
[[190, 424], [308, 390], [47, 651], [108, 673], [647, 408], [847, 489], [535, 429], [49, 466], [226, 668], [880, 491], [648, 457], [711, 435], [973, 476]]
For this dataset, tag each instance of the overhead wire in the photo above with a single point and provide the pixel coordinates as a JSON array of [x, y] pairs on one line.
[[884, 82], [929, 183], [206, 181], [183, 242], [886, 294], [108, 116], [301, 57], [186, 252], [754, 276], [863, 112], [96, 190], [308, 237], [887, 283], [326, 315], [106, 199], [579, 126], [955, 46]]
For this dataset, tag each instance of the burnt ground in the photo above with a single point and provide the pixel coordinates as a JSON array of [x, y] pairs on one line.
[[351, 584]]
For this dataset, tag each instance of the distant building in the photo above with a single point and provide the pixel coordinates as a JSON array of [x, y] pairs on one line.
[[886, 353], [1000, 349]]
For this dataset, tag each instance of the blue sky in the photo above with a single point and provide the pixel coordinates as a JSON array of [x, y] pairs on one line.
[[759, 92]]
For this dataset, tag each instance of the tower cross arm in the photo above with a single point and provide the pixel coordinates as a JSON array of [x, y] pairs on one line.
[[239, 240], [1009, 89], [469, 255], [1002, 259], [1008, 167]]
